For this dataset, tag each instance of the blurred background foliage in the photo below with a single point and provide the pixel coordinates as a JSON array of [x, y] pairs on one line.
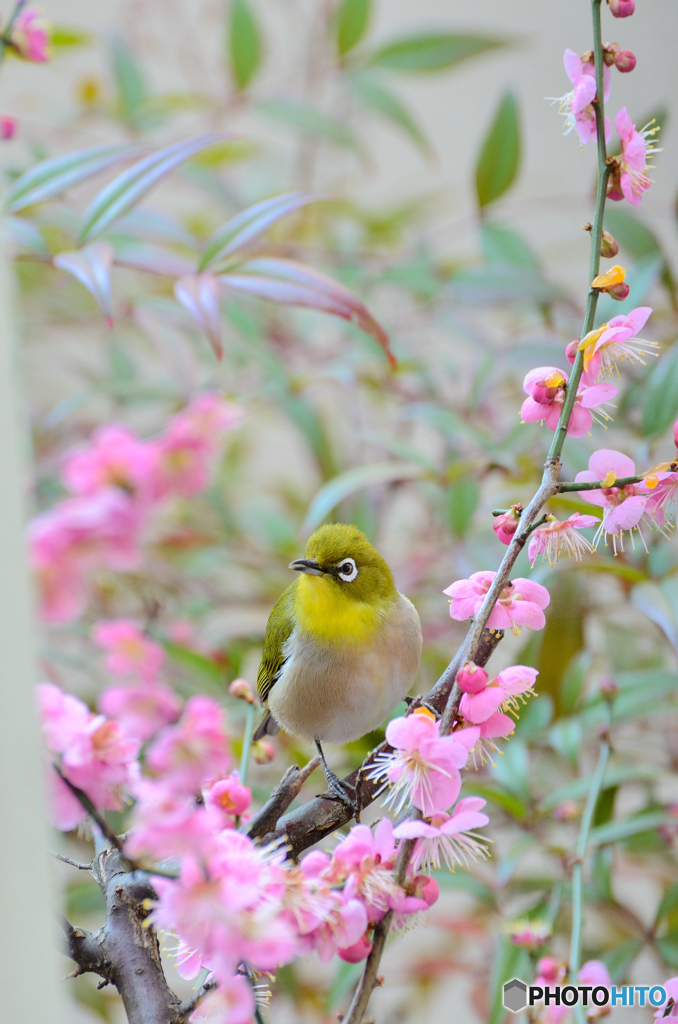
[[417, 456]]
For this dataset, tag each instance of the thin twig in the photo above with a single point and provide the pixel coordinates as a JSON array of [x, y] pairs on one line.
[[597, 485], [280, 799], [189, 1005], [68, 860]]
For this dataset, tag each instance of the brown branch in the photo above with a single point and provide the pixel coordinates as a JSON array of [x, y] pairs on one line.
[[319, 817], [67, 860], [280, 799]]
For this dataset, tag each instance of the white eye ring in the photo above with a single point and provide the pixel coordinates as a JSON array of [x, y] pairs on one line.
[[347, 570]]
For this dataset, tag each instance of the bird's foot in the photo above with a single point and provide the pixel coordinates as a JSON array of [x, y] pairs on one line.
[[340, 790]]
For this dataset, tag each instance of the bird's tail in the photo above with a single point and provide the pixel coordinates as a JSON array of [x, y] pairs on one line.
[[267, 727]]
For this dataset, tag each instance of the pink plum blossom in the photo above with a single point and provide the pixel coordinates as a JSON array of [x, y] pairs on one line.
[[96, 755], [341, 928], [229, 797], [446, 835], [195, 750], [129, 652], [613, 342], [30, 35], [231, 1003], [169, 823], [141, 709], [636, 147], [369, 858], [577, 106], [596, 974], [506, 525], [671, 989], [500, 694], [663, 497], [423, 767], [521, 602], [546, 390], [624, 508], [556, 536], [471, 678], [186, 453], [115, 457]]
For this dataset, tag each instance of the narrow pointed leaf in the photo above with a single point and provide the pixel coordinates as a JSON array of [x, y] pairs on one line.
[[132, 185], [129, 80], [249, 225], [244, 43], [199, 294], [307, 119], [499, 157], [292, 284], [435, 51], [342, 486], [154, 259], [386, 103], [92, 267], [353, 18], [50, 177]]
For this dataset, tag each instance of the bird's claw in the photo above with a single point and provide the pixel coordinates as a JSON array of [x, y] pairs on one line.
[[339, 790], [419, 702]]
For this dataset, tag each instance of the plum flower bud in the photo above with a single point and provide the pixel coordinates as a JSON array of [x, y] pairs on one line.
[[263, 752], [571, 350], [609, 688], [241, 688], [566, 811], [506, 524], [7, 127], [609, 246], [472, 678], [545, 391], [675, 433], [614, 189], [625, 61], [622, 8], [612, 282]]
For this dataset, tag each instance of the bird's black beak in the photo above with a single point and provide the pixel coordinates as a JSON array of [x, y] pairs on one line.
[[308, 565]]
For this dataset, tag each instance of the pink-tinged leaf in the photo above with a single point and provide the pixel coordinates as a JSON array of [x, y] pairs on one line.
[[153, 259], [249, 225], [292, 284], [199, 294], [92, 267], [125, 191]]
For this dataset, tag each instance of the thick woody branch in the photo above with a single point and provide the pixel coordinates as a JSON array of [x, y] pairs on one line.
[[125, 952], [323, 815]]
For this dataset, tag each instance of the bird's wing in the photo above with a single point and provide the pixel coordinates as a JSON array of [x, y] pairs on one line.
[[278, 630]]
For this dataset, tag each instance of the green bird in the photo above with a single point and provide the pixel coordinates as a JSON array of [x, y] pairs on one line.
[[342, 646]]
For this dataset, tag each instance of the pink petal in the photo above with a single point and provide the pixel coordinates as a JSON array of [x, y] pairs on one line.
[[440, 794], [498, 725], [608, 130], [573, 65], [584, 91], [625, 516], [624, 125], [596, 395], [383, 839], [469, 803], [607, 82], [526, 613], [517, 678], [532, 591], [463, 609], [463, 822], [535, 546], [629, 192], [552, 416], [580, 423], [478, 707], [606, 459], [467, 737], [538, 374], [533, 412], [638, 317], [581, 522], [412, 829], [592, 497], [499, 618]]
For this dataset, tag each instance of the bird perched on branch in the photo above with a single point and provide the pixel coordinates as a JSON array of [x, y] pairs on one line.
[[342, 646]]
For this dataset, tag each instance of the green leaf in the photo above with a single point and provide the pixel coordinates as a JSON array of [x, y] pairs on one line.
[[669, 902], [661, 394], [63, 37], [125, 191], [462, 497], [129, 80], [50, 177], [501, 245], [499, 157], [641, 243], [513, 769], [352, 20], [509, 962], [307, 119], [249, 225], [244, 43], [435, 51], [499, 796], [615, 831], [668, 947], [377, 98], [336, 490], [619, 959]]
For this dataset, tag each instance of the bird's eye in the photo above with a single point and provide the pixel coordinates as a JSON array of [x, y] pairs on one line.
[[347, 570]]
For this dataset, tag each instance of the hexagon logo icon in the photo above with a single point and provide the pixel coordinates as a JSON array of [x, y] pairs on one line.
[[515, 995]]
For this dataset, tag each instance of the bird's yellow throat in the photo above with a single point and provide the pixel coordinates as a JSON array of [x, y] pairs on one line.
[[323, 611]]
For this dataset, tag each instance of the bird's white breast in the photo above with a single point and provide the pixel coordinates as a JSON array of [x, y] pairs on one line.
[[339, 692]]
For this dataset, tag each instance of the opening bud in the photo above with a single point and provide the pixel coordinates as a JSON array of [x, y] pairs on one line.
[[472, 678], [609, 688], [619, 292], [506, 524], [614, 189], [544, 391], [610, 280], [610, 51], [625, 61], [609, 246], [263, 752], [622, 8], [571, 350], [675, 433], [7, 127], [240, 688]]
